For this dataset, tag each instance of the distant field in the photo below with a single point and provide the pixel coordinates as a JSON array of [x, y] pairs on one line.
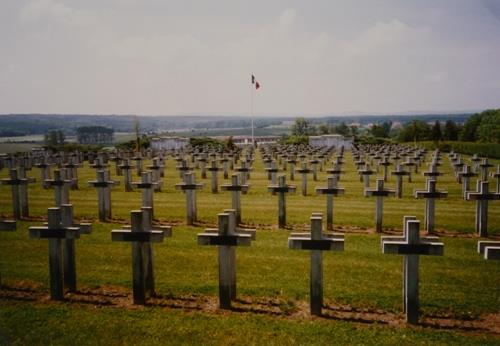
[[459, 291]]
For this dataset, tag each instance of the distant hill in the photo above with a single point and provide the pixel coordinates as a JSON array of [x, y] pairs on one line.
[[36, 124]]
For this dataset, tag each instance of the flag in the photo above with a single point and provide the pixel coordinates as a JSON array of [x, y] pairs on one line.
[[255, 82]]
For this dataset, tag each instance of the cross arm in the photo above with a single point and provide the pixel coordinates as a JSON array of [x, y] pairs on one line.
[[60, 233], [145, 236], [227, 240], [301, 243], [422, 248]]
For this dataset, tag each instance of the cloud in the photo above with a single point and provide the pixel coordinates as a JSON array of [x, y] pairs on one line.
[[46, 10]]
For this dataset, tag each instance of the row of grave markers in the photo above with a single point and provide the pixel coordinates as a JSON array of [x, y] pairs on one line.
[[61, 233]]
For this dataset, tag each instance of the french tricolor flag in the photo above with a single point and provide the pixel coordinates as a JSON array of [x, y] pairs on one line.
[[255, 82]]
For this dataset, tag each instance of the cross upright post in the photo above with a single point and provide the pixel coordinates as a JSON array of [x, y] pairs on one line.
[[147, 186], [139, 237], [281, 189], [61, 187], [430, 195], [330, 190], [44, 172], [69, 262], [304, 171], [412, 247], [213, 169], [292, 162], [23, 191], [317, 242], [155, 168], [226, 239], [14, 182], [272, 171], [399, 173], [379, 193], [465, 175], [103, 186], [236, 188], [126, 169], [365, 175], [484, 166], [189, 186], [55, 232], [496, 175], [482, 197]]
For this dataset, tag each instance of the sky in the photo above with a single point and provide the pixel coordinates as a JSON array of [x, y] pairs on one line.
[[186, 57]]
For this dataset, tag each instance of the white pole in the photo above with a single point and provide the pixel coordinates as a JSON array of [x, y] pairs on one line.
[[251, 108]]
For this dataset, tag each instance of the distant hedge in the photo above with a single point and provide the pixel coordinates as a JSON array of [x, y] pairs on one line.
[[491, 150]]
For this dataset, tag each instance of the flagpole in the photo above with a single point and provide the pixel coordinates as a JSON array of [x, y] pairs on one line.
[[251, 110]]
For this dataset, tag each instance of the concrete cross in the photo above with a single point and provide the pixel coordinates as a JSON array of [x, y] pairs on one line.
[[465, 176], [475, 162], [156, 169], [147, 186], [189, 186], [304, 171], [225, 166], [409, 163], [61, 187], [489, 249], [126, 171], [385, 163], [236, 189], [292, 162], [484, 166], [314, 168], [18, 204], [433, 172], [430, 195], [330, 190], [44, 167], [317, 242], [138, 163], [55, 232], [281, 189], [399, 173], [183, 168], [141, 240], [272, 171], [379, 192], [364, 175], [103, 186], [6, 226], [203, 165], [412, 247], [226, 239], [213, 169], [482, 197], [71, 169]]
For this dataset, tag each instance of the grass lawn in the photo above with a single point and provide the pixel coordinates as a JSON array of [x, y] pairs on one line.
[[459, 292]]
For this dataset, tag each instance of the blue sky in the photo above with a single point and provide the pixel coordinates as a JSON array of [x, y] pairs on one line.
[[163, 57]]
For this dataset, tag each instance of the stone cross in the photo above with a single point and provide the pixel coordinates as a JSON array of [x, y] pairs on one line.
[[61, 187], [484, 166], [317, 242], [226, 239], [44, 172], [365, 174], [272, 171], [482, 197], [496, 175], [236, 188], [385, 163], [292, 162], [71, 169], [6, 226], [203, 166], [245, 171], [489, 249], [399, 173], [183, 168], [430, 195], [225, 166], [475, 162], [379, 192], [140, 239], [412, 247], [126, 170], [103, 186], [465, 176], [156, 170], [281, 189], [138, 164], [55, 232], [18, 204], [336, 171], [213, 169], [189, 187], [304, 171], [147, 186], [314, 166], [23, 191], [330, 190]]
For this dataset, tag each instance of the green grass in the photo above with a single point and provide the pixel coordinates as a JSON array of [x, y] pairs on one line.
[[460, 284]]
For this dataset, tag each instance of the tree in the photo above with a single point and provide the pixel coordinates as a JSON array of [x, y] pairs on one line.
[[450, 131], [94, 134], [415, 130], [54, 138], [354, 130], [435, 134], [342, 129], [301, 127], [381, 131]]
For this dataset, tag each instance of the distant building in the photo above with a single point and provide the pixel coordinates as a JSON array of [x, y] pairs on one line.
[[330, 140], [246, 140], [169, 143]]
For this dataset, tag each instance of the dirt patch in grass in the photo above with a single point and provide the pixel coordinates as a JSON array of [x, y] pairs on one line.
[[121, 298]]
